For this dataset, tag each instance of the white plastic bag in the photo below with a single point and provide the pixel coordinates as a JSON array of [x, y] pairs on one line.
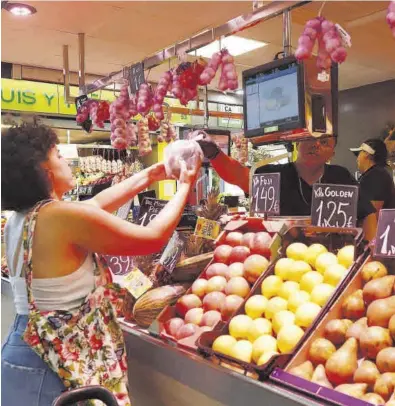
[[189, 151]]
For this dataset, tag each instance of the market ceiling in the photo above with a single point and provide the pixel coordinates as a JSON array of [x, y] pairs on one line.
[[121, 33]]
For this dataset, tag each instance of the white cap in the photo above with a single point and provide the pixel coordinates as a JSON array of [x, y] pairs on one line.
[[364, 147]]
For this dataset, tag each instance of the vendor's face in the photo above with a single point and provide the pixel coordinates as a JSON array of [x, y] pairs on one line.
[[363, 161], [316, 152], [59, 172]]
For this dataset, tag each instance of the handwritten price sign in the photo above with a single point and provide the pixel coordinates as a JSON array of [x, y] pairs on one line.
[[266, 193], [119, 265], [334, 205], [149, 209], [385, 237]]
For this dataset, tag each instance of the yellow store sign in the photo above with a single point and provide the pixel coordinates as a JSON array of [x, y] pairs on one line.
[[46, 98]]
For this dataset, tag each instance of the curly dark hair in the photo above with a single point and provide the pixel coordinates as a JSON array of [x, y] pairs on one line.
[[23, 180]]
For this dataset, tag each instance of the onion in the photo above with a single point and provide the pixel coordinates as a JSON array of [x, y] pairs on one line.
[[339, 55], [227, 58], [231, 75], [391, 18], [233, 84], [314, 23], [222, 85], [326, 26], [311, 33], [302, 53], [119, 123], [305, 42], [330, 35], [205, 78], [159, 115], [332, 45]]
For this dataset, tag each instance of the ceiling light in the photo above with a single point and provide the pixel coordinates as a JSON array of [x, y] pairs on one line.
[[20, 9], [235, 45]]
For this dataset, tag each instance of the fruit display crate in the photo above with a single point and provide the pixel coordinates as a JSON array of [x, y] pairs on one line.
[[333, 239], [242, 225], [282, 374]]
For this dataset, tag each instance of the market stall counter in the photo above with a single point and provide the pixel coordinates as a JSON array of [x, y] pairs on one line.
[[160, 374]]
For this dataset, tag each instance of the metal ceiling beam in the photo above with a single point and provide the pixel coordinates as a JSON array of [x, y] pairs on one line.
[[271, 10]]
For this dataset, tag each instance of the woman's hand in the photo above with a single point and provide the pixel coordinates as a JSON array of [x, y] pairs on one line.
[[157, 172], [188, 176]]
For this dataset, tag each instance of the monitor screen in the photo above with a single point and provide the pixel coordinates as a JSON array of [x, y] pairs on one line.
[[272, 100]]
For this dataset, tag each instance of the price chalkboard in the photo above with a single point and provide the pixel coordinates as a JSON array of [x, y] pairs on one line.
[[334, 205], [173, 251], [136, 77], [385, 237], [119, 266], [266, 193], [80, 100], [149, 209]]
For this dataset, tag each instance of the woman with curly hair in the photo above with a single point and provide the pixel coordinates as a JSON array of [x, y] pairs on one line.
[[57, 239]]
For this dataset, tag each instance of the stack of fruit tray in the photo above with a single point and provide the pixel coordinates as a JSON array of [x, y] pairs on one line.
[[349, 359], [327, 241], [265, 243]]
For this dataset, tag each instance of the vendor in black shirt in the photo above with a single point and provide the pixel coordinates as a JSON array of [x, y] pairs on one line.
[[376, 183], [297, 178]]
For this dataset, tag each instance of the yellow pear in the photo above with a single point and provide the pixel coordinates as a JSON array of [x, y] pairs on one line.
[[242, 351], [296, 251], [263, 344], [304, 370], [345, 256], [288, 337], [265, 357], [310, 280], [259, 327], [283, 265], [296, 299], [312, 253], [255, 306], [319, 376], [282, 318], [321, 293], [224, 344], [240, 326], [271, 286], [320, 350], [275, 305], [306, 314], [288, 288], [334, 274], [324, 261], [299, 268]]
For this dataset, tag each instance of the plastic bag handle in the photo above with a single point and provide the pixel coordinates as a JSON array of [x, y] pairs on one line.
[[71, 397]]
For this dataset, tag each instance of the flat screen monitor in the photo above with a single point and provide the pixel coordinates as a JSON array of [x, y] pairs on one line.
[[273, 97]]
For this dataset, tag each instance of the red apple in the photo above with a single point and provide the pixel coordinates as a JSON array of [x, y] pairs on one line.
[[261, 244], [194, 316], [231, 304], [186, 303], [217, 269], [213, 301], [254, 266], [247, 239], [173, 325], [211, 318], [199, 287], [222, 253], [234, 238], [216, 284], [187, 330], [237, 286], [239, 254], [235, 269]]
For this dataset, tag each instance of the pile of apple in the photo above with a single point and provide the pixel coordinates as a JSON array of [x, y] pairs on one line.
[[221, 290], [356, 355], [290, 300]]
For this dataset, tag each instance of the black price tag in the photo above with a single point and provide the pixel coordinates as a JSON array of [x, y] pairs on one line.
[[188, 220], [136, 77], [80, 100], [124, 210], [172, 252], [385, 237], [149, 209], [119, 265], [334, 205], [266, 193]]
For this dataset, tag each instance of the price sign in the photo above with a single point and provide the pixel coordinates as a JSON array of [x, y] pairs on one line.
[[172, 252], [334, 205], [137, 283], [85, 190], [188, 220], [266, 193], [80, 100], [149, 209], [207, 228], [136, 77], [385, 237], [119, 266], [124, 210]]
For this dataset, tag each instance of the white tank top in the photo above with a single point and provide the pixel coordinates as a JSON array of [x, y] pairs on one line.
[[61, 293]]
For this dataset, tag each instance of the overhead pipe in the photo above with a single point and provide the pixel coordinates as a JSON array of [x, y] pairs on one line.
[[287, 40], [66, 75], [271, 10], [81, 62], [206, 111]]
